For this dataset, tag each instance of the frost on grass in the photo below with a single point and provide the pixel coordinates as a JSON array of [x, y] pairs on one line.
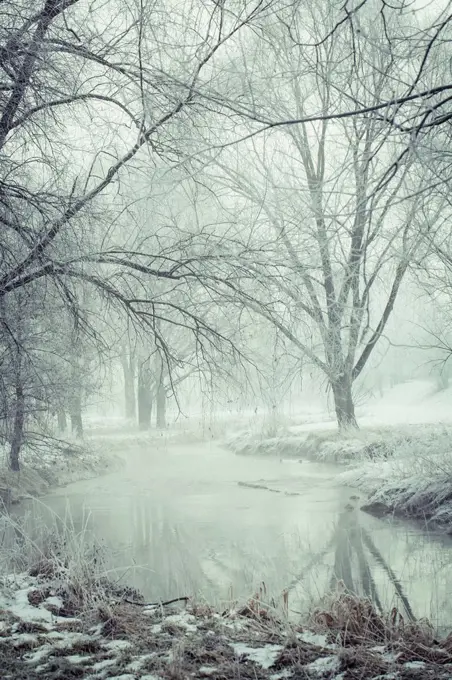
[[282, 675], [416, 482], [330, 445]]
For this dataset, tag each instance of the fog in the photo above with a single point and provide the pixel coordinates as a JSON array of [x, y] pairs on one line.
[[225, 268]]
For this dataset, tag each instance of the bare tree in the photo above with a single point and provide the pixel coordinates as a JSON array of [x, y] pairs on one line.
[[337, 227], [89, 91], [417, 98]]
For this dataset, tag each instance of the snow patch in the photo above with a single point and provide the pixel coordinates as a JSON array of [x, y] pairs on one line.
[[313, 638], [326, 664], [38, 655], [414, 665], [55, 601], [100, 665], [117, 645], [139, 662], [20, 639], [182, 620], [70, 639], [264, 656], [55, 635], [78, 658], [21, 608]]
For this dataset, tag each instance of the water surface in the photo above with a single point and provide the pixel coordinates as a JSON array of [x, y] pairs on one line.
[[193, 519]]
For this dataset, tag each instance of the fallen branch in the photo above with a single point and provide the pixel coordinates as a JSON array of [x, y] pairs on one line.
[[185, 598]]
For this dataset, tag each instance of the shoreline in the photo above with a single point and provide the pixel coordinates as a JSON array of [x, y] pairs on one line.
[[56, 465], [405, 471], [51, 626]]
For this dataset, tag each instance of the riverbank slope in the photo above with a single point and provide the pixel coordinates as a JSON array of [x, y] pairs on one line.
[[54, 627], [52, 463]]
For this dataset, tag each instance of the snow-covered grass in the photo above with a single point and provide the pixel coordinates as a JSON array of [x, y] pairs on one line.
[[72, 559], [309, 430], [352, 446], [147, 642], [416, 482]]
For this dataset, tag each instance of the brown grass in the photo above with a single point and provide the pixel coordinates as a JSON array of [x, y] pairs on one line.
[[358, 628], [359, 635]]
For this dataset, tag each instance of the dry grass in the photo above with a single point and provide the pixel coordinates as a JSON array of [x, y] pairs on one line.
[[357, 637], [356, 626], [70, 559]]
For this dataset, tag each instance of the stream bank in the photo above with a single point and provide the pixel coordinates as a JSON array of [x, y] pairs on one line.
[[405, 471], [50, 465], [181, 521], [53, 626]]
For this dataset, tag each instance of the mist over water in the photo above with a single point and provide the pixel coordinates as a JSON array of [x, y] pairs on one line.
[[195, 520]]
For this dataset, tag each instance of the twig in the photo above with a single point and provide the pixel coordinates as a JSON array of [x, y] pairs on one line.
[[158, 604]]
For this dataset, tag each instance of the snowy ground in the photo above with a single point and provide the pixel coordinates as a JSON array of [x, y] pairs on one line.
[[47, 630]]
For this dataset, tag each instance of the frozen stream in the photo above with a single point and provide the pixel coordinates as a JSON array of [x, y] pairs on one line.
[[181, 519]]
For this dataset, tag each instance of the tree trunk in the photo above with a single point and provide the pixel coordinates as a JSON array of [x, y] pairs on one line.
[[77, 387], [18, 428], [161, 407], [62, 421], [343, 403], [128, 369], [76, 417], [144, 395]]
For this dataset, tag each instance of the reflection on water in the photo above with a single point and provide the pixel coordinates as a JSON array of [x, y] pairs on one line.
[[177, 522]]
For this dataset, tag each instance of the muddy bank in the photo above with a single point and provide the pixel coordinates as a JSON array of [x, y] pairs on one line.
[[56, 628], [51, 465]]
